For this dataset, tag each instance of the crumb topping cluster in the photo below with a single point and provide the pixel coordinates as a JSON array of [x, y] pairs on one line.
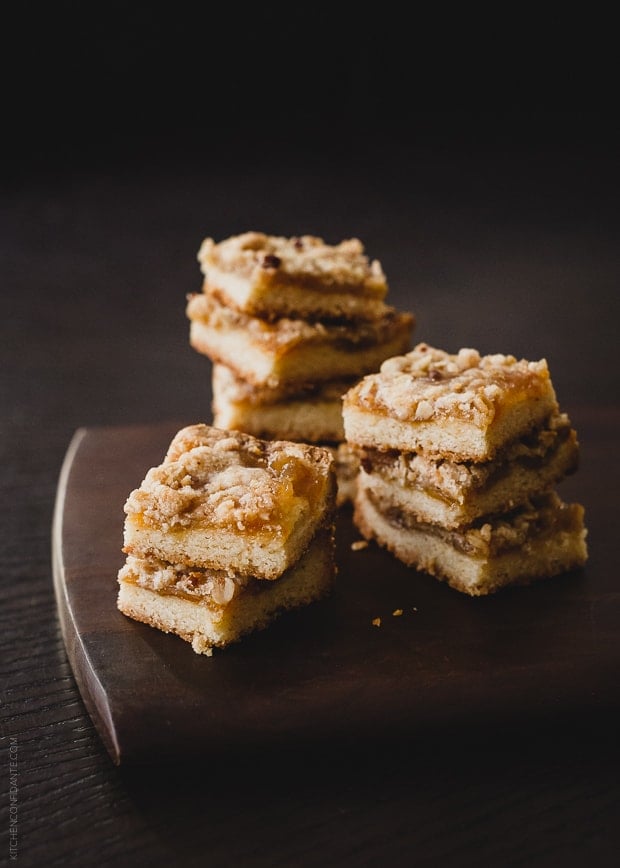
[[456, 478], [221, 479], [428, 383], [284, 333], [300, 257], [513, 530], [234, 389], [215, 586], [516, 530]]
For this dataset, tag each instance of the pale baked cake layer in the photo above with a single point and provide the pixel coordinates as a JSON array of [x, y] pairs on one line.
[[213, 609], [293, 351], [545, 540], [464, 407], [312, 421], [456, 494], [227, 500], [272, 276]]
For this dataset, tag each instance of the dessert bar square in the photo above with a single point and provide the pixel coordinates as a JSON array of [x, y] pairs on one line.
[[540, 539], [271, 277], [225, 500], [212, 608], [308, 412], [293, 351], [456, 494], [464, 407]]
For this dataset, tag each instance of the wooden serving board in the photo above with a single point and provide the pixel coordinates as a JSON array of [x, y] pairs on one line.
[[449, 663]]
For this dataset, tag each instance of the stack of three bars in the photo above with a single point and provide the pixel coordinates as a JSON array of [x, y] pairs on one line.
[[290, 324], [460, 455]]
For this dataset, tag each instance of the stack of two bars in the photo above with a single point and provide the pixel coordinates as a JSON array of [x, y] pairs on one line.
[[226, 533], [460, 455], [290, 324]]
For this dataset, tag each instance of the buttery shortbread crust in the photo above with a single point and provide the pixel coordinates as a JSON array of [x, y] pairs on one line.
[[539, 541], [293, 351], [227, 500], [272, 277], [464, 407], [310, 420], [213, 609]]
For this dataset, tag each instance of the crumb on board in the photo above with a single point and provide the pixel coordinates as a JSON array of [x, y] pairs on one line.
[[396, 613], [359, 544]]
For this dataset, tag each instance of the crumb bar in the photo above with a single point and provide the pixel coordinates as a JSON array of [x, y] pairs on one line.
[[291, 351], [541, 539], [309, 413], [272, 277], [456, 494], [213, 608], [227, 500], [464, 406]]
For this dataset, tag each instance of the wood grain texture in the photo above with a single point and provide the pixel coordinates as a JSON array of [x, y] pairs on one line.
[[523, 657]]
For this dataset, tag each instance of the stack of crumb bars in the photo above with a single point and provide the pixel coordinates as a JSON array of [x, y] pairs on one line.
[[460, 455], [451, 460], [290, 324]]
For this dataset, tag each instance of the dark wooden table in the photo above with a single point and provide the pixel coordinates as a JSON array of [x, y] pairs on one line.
[[510, 248]]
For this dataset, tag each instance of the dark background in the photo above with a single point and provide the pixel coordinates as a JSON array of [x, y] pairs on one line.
[[477, 159], [126, 81], [478, 163]]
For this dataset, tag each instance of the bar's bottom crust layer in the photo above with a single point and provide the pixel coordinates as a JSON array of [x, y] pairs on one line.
[[254, 604], [556, 547], [310, 421], [309, 412]]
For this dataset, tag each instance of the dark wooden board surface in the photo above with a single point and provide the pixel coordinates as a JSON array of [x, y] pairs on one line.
[[523, 657]]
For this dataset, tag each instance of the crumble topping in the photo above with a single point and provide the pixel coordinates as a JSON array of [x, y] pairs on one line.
[[222, 479], [456, 479], [428, 383], [212, 586], [492, 536], [306, 256], [232, 388], [285, 333]]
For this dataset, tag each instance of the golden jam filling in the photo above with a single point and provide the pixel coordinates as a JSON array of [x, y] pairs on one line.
[[428, 384]]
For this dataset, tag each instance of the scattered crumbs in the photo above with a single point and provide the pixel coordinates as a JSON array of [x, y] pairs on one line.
[[209, 652], [359, 544], [376, 622]]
